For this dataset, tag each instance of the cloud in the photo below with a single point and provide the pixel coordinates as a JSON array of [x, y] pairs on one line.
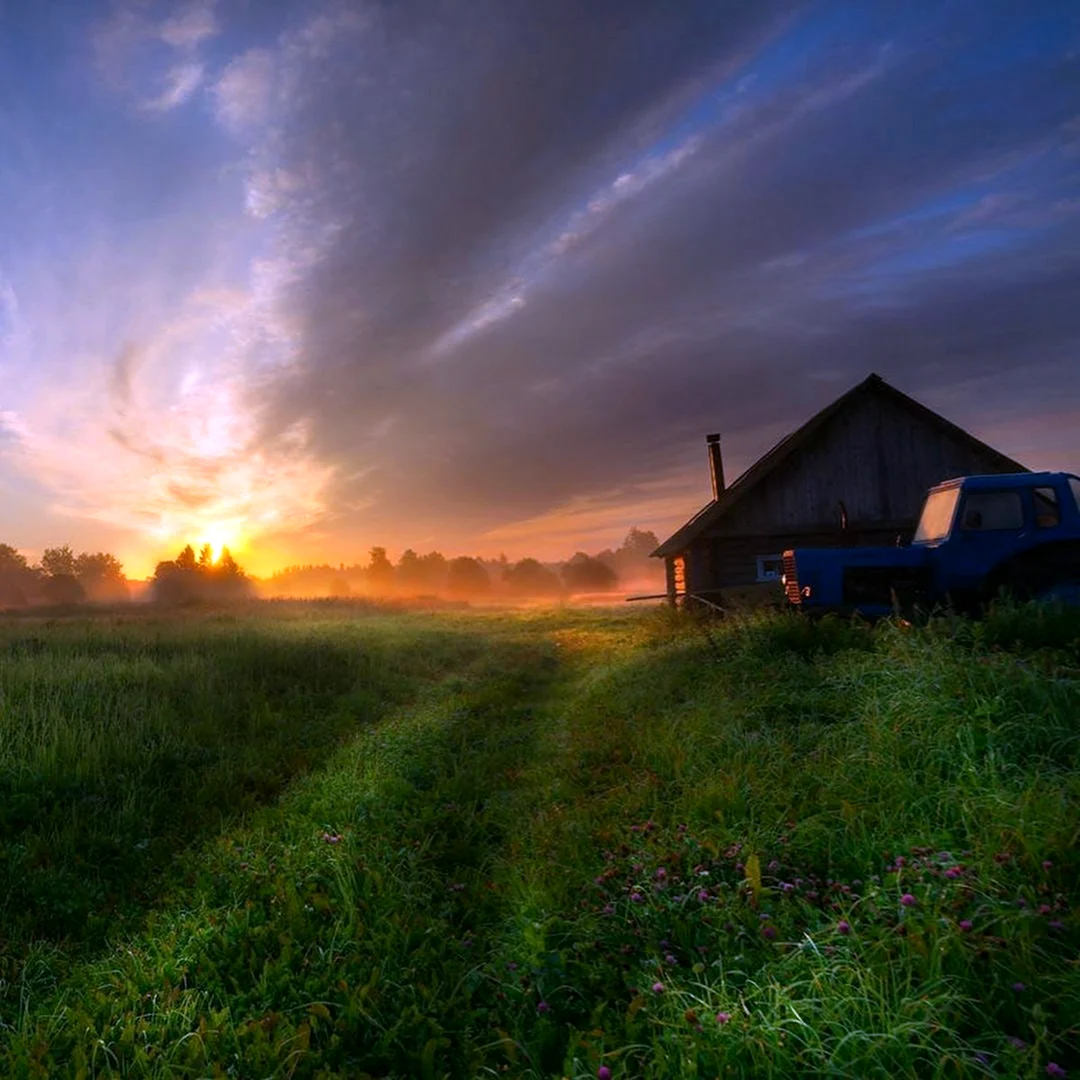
[[244, 92], [128, 50], [189, 27], [181, 82]]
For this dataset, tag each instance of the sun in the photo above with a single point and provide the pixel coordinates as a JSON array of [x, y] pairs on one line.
[[221, 535]]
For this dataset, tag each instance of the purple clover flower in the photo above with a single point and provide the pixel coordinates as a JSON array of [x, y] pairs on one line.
[[543, 1007], [1018, 987], [954, 872], [1017, 1044], [722, 1018], [1047, 864], [908, 900], [1054, 1069], [603, 1073], [965, 925], [657, 987], [843, 927], [769, 932], [703, 895]]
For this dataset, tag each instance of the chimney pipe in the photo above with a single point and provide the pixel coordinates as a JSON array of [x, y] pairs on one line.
[[716, 465]]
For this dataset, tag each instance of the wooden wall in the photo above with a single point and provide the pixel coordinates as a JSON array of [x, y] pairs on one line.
[[875, 455]]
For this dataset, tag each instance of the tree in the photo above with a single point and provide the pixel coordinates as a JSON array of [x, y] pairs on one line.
[[63, 589], [583, 573], [639, 544], [380, 571], [11, 560], [17, 581], [59, 562], [206, 556], [102, 576], [531, 578], [186, 580], [466, 577]]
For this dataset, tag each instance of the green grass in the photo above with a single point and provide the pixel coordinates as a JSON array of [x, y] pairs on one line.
[[332, 842]]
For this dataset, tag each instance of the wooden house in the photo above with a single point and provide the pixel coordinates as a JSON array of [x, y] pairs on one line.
[[856, 473]]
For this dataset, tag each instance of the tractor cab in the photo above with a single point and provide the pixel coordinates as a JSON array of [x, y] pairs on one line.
[[976, 536]]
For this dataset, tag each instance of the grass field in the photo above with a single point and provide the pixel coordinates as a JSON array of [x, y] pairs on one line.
[[332, 842]]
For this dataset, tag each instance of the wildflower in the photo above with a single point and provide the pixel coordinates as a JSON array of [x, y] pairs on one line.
[[609, 909], [1056, 924], [1017, 1044], [722, 1018], [982, 1059], [1047, 864], [512, 966], [681, 828], [953, 872], [661, 874], [637, 898], [900, 860], [787, 887], [843, 927], [1054, 1069], [1021, 902], [657, 987], [908, 900], [603, 1073], [1045, 909], [965, 925], [664, 943], [1019, 987], [669, 958], [769, 932], [543, 1007]]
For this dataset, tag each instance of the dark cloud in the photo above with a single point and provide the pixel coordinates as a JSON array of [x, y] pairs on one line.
[[558, 242]]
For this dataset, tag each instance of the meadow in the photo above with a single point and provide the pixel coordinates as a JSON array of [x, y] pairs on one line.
[[334, 841]]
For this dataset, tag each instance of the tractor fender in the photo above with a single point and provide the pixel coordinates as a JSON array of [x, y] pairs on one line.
[[1035, 571]]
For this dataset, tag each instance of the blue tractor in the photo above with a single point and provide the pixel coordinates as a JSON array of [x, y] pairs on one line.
[[977, 538]]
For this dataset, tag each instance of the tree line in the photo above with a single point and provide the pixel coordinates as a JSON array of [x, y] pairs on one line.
[[470, 577], [61, 578]]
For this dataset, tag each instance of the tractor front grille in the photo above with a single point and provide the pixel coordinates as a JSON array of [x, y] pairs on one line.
[[791, 578]]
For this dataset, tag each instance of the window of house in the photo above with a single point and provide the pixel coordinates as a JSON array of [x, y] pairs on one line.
[[1047, 514], [988, 510], [770, 567], [679, 567]]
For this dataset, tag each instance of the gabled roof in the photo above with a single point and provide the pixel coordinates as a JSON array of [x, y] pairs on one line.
[[709, 515]]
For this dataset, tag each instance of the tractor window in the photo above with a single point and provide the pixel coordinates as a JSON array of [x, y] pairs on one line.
[[988, 510], [1075, 485], [936, 517], [1047, 514]]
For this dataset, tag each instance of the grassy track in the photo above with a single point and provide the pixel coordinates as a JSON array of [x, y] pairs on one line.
[[322, 845]]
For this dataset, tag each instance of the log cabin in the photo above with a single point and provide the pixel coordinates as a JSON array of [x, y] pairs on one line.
[[855, 473]]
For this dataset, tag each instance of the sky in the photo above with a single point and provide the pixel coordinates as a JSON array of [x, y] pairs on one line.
[[479, 275]]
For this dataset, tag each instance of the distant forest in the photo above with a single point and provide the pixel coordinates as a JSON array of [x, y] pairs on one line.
[[64, 578], [473, 578]]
